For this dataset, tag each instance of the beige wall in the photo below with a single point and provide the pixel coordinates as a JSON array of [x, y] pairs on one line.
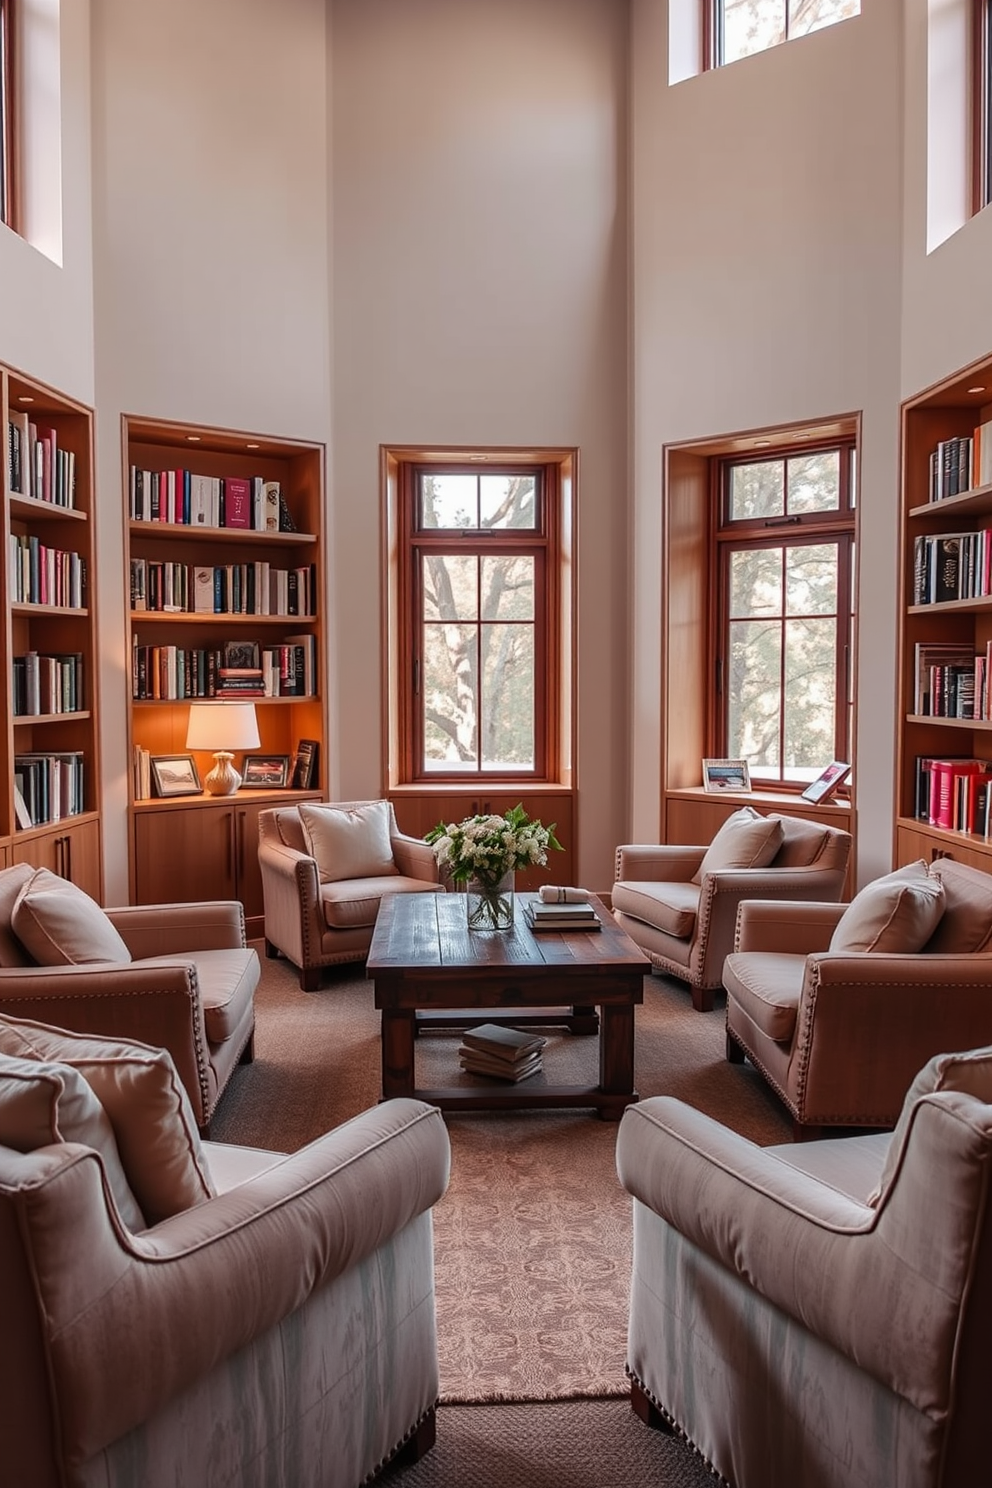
[[766, 269], [479, 253]]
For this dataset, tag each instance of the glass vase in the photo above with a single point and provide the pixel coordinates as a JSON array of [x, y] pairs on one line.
[[490, 906]]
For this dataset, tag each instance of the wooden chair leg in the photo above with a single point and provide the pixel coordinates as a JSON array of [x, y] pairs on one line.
[[735, 1054], [702, 999], [247, 1055], [309, 978], [649, 1413], [272, 952], [420, 1442]]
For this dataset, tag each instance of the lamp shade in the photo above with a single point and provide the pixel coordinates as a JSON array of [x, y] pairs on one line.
[[217, 726]]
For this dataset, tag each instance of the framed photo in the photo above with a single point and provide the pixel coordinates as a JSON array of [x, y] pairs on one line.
[[823, 787], [242, 654], [175, 775], [726, 775], [304, 776], [265, 772]]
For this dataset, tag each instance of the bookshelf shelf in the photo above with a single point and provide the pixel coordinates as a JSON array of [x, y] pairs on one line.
[[216, 836]]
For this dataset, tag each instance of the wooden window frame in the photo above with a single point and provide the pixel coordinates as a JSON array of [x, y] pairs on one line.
[[9, 192], [800, 529], [549, 542], [713, 32], [981, 153]]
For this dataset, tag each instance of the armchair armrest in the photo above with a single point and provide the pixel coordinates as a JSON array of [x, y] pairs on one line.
[[231, 1268], [795, 926], [415, 858], [294, 918], [657, 862], [160, 929]]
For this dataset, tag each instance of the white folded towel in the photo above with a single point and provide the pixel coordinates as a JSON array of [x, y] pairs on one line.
[[550, 894]]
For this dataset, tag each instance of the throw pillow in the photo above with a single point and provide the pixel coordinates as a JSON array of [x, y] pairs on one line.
[[42, 1104], [60, 925], [897, 913], [145, 1103], [746, 840], [12, 881], [348, 841], [970, 1072], [966, 924]]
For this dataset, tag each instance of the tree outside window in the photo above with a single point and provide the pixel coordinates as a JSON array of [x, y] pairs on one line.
[[742, 27]]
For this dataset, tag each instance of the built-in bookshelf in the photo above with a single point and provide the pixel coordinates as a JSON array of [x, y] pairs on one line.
[[51, 789], [224, 573], [944, 739]]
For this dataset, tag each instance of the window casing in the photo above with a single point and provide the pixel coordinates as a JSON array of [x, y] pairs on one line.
[[982, 93], [734, 29], [479, 592], [7, 212], [784, 581]]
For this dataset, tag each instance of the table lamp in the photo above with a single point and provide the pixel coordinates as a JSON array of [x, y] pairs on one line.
[[222, 728]]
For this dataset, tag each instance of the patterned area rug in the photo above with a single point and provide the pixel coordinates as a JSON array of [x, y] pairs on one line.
[[532, 1239]]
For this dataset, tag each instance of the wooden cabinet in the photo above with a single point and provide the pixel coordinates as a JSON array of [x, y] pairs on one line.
[[204, 850], [203, 585], [417, 811], [50, 787], [945, 635]]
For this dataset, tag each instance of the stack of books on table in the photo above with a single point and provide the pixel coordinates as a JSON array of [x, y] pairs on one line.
[[501, 1053], [541, 916]]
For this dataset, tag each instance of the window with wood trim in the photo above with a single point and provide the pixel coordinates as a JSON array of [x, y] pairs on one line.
[[478, 588], [738, 28], [784, 578], [982, 94], [7, 175]]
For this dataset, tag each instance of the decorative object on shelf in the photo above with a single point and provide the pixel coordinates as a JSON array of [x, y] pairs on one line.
[[483, 852], [266, 771], [222, 728], [304, 774], [823, 787], [175, 775], [726, 775]]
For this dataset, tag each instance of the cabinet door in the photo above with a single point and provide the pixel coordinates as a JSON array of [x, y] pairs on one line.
[[248, 873], [73, 852], [417, 814], [185, 855]]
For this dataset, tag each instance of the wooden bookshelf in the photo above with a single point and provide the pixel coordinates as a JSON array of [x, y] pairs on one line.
[[949, 411], [50, 737], [210, 842]]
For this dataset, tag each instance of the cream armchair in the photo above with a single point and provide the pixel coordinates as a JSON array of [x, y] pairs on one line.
[[839, 1034], [279, 1332], [818, 1314], [679, 904], [325, 867]]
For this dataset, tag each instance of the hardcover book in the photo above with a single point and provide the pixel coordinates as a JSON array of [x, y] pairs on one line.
[[505, 1043]]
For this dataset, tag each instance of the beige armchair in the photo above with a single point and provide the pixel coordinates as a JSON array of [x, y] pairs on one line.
[[679, 903], [839, 1034], [179, 976], [325, 867], [280, 1331], [818, 1314]]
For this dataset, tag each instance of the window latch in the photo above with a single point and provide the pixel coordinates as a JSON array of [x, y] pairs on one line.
[[780, 521]]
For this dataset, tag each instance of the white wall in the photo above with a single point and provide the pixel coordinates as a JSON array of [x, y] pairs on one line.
[[767, 258], [479, 253], [210, 249]]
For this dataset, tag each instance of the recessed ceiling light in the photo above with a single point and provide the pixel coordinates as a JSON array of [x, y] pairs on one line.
[[25, 398], [976, 390], [762, 441], [251, 446], [193, 438]]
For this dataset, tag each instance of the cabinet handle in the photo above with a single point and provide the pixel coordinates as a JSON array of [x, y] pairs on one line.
[[230, 845], [241, 844], [67, 857], [59, 856]]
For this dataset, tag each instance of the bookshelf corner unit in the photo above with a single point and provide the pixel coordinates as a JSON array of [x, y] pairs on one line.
[[224, 573], [944, 736]]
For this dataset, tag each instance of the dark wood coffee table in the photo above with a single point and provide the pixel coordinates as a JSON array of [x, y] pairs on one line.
[[431, 971]]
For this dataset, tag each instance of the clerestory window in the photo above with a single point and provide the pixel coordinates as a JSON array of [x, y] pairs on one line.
[[739, 28]]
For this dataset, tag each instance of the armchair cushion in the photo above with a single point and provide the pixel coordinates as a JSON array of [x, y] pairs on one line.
[[767, 986], [60, 925], [897, 913], [348, 842], [12, 881], [43, 1103], [966, 924], [746, 840], [355, 904], [226, 981], [143, 1098], [970, 1072], [672, 907]]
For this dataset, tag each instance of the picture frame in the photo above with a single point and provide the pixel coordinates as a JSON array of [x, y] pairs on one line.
[[265, 772], [823, 787], [175, 775], [726, 775], [304, 773], [242, 654]]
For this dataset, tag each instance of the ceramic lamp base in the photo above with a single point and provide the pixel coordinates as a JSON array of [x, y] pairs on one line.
[[223, 779]]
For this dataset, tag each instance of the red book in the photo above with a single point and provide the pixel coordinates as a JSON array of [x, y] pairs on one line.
[[237, 502], [944, 775]]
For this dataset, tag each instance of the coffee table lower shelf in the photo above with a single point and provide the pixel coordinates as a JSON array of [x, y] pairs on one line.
[[457, 1098]]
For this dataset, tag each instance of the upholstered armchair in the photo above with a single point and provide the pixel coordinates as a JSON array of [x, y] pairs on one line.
[[325, 867], [180, 976], [818, 1314], [255, 1319], [839, 1005], [679, 903]]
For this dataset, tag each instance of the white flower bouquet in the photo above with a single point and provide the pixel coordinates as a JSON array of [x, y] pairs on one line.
[[482, 851]]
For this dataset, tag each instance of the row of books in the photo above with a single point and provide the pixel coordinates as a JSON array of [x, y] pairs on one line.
[[952, 565], [182, 497], [502, 1053], [43, 575], [48, 787], [225, 589], [954, 793], [173, 673], [961, 463], [37, 466], [47, 684]]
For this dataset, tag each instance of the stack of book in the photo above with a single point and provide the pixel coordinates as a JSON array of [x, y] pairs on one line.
[[541, 916], [501, 1053]]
